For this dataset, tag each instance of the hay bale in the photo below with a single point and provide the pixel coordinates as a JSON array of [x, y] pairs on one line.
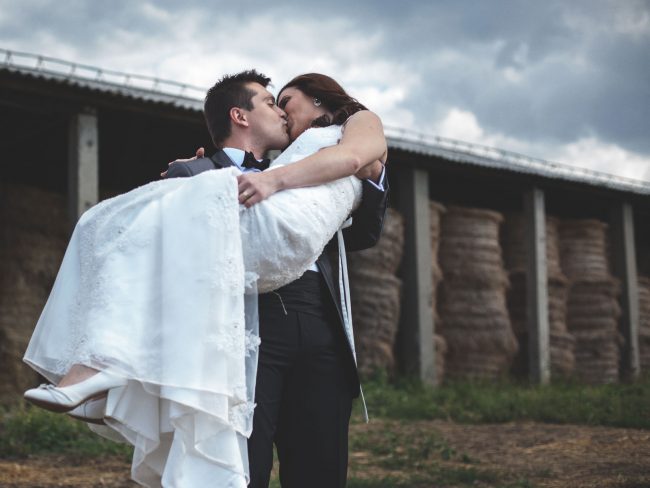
[[592, 306], [472, 303], [373, 357], [32, 242], [514, 247], [592, 317], [375, 294], [562, 356], [375, 309], [476, 277], [436, 211], [470, 252], [597, 355], [643, 260], [644, 322], [440, 347], [467, 303], [562, 345], [475, 365], [435, 215], [561, 342], [583, 249], [386, 255]]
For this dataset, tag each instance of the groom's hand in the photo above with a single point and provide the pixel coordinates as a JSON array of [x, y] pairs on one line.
[[255, 187], [200, 152]]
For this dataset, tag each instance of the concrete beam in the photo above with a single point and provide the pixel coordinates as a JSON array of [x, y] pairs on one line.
[[624, 261], [537, 322], [415, 341], [83, 164]]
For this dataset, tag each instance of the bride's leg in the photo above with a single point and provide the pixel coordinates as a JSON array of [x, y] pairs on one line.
[[79, 385], [77, 374]]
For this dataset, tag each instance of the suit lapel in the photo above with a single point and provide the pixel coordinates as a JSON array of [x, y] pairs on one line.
[[221, 160]]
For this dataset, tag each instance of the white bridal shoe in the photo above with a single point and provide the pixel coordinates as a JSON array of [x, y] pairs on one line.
[[91, 411], [67, 398]]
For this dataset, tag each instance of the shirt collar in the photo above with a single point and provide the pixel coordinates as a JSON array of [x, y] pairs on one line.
[[235, 155]]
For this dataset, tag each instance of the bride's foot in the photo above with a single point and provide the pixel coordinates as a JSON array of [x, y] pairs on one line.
[[65, 398], [91, 411], [76, 374]]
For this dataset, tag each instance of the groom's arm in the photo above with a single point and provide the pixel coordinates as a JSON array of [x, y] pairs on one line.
[[178, 170], [368, 218], [190, 167]]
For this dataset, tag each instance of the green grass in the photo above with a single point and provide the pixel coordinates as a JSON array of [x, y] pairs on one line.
[[397, 446], [619, 405], [398, 454], [28, 431], [418, 456]]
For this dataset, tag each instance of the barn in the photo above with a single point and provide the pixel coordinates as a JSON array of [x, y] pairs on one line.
[[491, 264]]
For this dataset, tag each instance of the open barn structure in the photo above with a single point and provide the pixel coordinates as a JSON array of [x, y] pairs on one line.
[[73, 135]]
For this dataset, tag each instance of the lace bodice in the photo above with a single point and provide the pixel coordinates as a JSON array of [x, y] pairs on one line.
[[289, 227]]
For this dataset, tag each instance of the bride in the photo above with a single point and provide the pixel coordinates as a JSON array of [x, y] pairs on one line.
[[155, 301]]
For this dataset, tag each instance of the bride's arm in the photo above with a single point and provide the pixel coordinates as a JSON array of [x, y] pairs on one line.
[[362, 145]]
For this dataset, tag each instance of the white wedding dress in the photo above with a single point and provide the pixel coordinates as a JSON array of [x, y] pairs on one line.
[[159, 286]]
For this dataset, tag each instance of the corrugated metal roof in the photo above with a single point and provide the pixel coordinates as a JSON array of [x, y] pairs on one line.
[[476, 154], [138, 87], [189, 97]]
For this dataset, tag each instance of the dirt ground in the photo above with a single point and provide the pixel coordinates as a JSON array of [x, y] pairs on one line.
[[558, 456], [553, 456]]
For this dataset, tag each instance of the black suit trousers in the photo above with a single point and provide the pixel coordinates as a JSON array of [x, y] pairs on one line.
[[303, 391]]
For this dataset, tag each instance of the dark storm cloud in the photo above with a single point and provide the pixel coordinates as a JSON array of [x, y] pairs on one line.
[[583, 66], [550, 72], [577, 77]]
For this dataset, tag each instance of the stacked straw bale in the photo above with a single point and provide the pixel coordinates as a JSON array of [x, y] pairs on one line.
[[561, 342], [644, 322], [643, 257], [32, 243], [593, 310], [375, 293], [472, 302], [436, 210]]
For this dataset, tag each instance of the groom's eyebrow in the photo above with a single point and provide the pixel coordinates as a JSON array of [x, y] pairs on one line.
[[270, 97]]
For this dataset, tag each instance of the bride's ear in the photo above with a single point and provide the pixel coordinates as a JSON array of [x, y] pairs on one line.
[[238, 117]]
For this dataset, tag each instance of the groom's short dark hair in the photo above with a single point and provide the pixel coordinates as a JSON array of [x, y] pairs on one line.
[[230, 91]]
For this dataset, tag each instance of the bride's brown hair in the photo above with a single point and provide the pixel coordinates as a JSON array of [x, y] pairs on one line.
[[330, 93]]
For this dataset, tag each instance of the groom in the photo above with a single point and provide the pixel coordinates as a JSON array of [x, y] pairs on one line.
[[306, 377]]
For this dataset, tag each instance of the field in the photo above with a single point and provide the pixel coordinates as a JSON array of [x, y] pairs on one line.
[[455, 436]]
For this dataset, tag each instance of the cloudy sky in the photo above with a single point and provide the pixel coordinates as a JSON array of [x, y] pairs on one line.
[[567, 81]]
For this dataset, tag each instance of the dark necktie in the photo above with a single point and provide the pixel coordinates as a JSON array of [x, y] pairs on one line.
[[251, 162]]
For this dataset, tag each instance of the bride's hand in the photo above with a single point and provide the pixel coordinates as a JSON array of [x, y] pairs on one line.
[[255, 187], [200, 152]]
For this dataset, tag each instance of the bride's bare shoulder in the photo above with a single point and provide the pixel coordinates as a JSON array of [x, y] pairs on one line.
[[362, 117]]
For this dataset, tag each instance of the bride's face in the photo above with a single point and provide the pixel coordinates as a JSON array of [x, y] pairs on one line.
[[300, 110]]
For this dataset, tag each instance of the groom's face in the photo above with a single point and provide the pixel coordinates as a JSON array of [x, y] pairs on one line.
[[267, 121]]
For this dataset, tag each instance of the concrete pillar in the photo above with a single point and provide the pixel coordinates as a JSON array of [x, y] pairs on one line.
[[624, 261], [83, 164], [415, 341], [537, 322]]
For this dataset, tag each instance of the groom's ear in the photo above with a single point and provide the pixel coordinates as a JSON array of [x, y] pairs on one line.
[[238, 117]]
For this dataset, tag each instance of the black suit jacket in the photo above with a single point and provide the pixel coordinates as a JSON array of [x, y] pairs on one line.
[[367, 222]]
